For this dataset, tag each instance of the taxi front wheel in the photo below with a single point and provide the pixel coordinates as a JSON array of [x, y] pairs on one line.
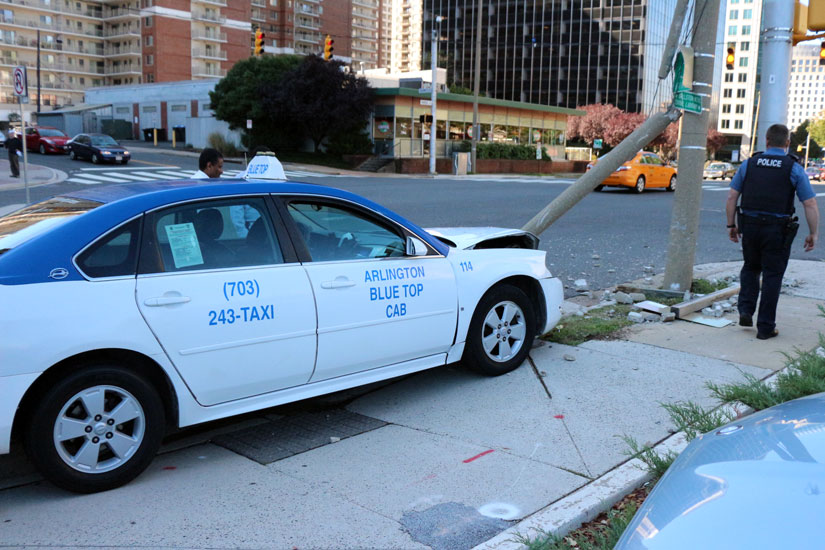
[[501, 331], [96, 429]]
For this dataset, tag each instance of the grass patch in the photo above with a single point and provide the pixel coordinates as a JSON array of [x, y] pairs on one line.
[[805, 376], [655, 462], [703, 286], [596, 323], [601, 534], [694, 419]]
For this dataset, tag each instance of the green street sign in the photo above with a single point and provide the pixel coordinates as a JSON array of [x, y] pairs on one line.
[[688, 101], [683, 70]]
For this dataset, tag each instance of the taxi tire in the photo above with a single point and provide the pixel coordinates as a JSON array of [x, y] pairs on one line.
[[475, 358], [39, 439], [671, 186], [598, 188], [640, 185]]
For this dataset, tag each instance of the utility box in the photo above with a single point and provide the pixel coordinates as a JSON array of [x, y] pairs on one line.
[[461, 164]]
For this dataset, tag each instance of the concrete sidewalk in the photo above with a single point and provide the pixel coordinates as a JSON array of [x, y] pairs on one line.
[[446, 459], [37, 175]]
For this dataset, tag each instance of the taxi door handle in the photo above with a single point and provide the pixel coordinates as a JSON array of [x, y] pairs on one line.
[[339, 282], [166, 300]]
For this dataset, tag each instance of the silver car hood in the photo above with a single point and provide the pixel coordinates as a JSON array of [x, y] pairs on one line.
[[759, 482], [469, 237]]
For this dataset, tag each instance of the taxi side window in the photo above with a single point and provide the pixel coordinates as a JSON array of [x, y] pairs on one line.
[[114, 254], [211, 235], [333, 233]]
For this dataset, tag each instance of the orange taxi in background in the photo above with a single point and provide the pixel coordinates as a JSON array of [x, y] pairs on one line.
[[645, 170]]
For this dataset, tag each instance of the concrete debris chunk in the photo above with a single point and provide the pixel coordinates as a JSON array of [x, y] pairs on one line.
[[607, 295], [580, 285], [655, 307], [611, 270], [651, 317], [623, 298], [637, 297], [334, 439], [636, 317], [734, 299], [596, 257], [568, 357], [668, 317], [648, 269]]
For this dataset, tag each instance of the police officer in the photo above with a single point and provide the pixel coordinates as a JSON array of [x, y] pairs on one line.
[[767, 183]]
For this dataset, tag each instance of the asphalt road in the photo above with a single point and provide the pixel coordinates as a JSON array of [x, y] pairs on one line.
[[626, 231]]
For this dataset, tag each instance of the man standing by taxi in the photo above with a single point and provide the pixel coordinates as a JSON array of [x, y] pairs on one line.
[[210, 165], [767, 183]]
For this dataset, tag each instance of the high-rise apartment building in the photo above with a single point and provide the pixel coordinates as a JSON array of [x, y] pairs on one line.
[[300, 27], [739, 88], [405, 36], [806, 99], [87, 43], [565, 53]]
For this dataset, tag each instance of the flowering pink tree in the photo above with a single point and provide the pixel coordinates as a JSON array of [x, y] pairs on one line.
[[594, 124], [621, 126]]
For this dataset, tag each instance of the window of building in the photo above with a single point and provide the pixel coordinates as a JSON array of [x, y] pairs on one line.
[[149, 77], [740, 109], [734, 14], [743, 61], [150, 40], [147, 21], [740, 93], [744, 46], [743, 77], [732, 30], [727, 93], [725, 124], [726, 108], [728, 77], [737, 124], [747, 14], [150, 59], [746, 30]]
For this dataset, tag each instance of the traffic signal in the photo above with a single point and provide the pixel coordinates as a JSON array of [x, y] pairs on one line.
[[328, 42], [730, 58], [259, 42], [822, 53]]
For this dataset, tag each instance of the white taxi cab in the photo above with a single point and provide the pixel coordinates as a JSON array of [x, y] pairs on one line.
[[129, 309]]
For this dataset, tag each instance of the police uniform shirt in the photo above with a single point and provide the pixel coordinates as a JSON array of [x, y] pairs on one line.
[[799, 179]]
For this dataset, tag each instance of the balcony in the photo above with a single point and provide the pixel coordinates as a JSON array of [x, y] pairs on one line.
[[257, 15], [210, 16], [365, 14], [259, 3], [306, 24], [54, 7], [121, 51], [209, 36], [308, 38], [208, 53], [363, 26], [54, 26], [122, 31], [123, 70], [366, 3], [221, 3], [23, 42], [308, 11], [120, 14], [200, 70]]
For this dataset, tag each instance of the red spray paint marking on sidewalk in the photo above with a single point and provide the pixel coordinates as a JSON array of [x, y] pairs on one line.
[[478, 456]]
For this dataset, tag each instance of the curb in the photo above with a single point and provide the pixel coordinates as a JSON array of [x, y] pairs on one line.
[[56, 176], [586, 503]]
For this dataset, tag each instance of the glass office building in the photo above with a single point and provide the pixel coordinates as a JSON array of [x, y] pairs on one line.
[[564, 53]]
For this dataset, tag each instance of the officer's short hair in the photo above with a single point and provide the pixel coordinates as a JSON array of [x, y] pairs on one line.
[[777, 135], [208, 155]]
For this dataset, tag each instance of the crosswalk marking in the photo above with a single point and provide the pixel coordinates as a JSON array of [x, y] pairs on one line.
[[130, 176], [176, 175]]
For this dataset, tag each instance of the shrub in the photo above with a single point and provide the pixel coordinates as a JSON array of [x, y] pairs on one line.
[[355, 142], [226, 147], [497, 150]]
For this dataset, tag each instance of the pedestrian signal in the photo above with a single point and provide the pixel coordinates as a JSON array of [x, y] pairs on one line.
[[328, 42], [822, 53], [730, 58], [259, 42]]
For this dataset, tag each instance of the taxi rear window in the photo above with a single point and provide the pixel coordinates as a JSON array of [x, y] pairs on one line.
[[31, 221]]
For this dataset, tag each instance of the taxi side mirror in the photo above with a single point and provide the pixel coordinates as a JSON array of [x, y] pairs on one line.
[[416, 247]]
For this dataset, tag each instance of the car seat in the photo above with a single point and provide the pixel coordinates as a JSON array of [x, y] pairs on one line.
[[209, 228]]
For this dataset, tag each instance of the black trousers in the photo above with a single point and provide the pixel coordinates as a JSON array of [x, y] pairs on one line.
[[766, 247], [14, 161]]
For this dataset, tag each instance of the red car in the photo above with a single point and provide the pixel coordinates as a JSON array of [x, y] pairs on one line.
[[46, 140]]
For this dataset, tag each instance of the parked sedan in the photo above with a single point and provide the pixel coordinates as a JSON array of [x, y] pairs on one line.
[[815, 172], [98, 148], [755, 483], [46, 139], [176, 303], [645, 170], [719, 170]]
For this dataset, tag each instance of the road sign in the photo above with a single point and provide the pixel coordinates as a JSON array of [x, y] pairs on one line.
[[683, 70], [249, 124], [688, 101], [597, 144], [21, 82], [426, 102]]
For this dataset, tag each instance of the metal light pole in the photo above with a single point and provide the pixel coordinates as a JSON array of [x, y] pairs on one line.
[[776, 48], [38, 71], [476, 85], [433, 94], [807, 148], [684, 223]]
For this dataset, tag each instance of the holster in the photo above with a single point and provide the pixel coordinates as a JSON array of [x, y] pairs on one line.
[[789, 231]]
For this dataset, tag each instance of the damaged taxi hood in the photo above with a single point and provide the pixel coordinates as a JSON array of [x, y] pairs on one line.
[[466, 238]]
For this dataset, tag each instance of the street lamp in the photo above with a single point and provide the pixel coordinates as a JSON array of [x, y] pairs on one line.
[[434, 65]]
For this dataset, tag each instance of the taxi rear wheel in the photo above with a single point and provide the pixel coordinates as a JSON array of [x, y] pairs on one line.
[[672, 185], [96, 429], [501, 331], [640, 185], [598, 188]]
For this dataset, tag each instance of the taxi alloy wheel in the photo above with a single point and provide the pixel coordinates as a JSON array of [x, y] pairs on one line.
[[640, 185], [501, 331], [672, 185], [96, 429]]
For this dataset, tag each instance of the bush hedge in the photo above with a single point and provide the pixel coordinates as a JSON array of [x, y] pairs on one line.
[[494, 150]]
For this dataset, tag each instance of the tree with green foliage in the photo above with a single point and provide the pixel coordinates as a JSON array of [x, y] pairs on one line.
[[237, 97], [817, 129], [320, 99]]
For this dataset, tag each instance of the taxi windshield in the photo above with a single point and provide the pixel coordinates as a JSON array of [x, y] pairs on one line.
[[25, 224]]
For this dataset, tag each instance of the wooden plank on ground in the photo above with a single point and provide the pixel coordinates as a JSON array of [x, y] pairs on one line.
[[697, 304]]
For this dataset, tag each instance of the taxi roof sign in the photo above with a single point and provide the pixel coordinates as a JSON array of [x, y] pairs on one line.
[[265, 166]]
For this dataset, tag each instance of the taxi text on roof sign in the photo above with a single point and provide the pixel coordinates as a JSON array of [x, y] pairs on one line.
[[265, 167]]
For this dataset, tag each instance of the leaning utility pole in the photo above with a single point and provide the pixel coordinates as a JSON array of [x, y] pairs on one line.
[[476, 86], [775, 49], [684, 224]]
